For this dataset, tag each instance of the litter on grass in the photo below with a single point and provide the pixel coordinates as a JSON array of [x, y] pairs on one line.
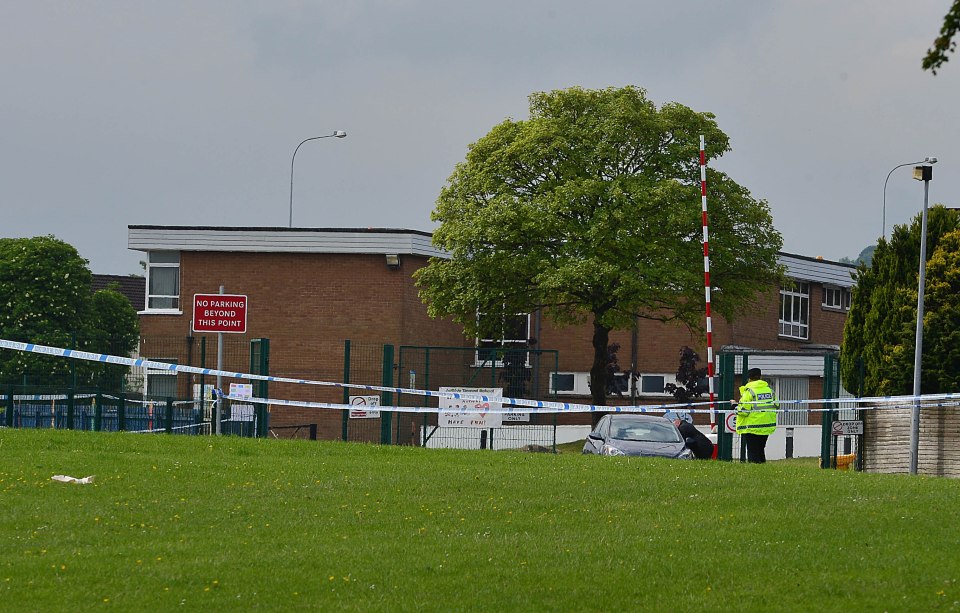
[[68, 479]]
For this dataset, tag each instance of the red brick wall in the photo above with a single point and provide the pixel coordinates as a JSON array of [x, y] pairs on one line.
[[308, 304]]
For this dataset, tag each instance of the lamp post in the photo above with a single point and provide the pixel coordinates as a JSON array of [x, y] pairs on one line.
[[920, 173], [336, 134], [927, 160]]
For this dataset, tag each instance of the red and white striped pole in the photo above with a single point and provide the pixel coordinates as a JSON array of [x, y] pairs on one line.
[[706, 281]]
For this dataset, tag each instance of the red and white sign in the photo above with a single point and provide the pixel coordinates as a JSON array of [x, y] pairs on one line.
[[219, 313], [730, 422], [362, 402], [846, 428]]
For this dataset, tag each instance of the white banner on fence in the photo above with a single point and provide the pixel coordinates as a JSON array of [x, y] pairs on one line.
[[457, 419]]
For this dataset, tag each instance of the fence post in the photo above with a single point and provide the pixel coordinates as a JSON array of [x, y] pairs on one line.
[[724, 438], [122, 412], [830, 391], [260, 365], [426, 369], [70, 410], [744, 369], [168, 421], [98, 412], [345, 414], [386, 417], [9, 415], [203, 380], [861, 415]]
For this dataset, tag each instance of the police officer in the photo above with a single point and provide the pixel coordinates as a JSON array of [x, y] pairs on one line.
[[756, 415], [696, 441]]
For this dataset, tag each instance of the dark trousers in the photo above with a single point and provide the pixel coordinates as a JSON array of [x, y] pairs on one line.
[[756, 443]]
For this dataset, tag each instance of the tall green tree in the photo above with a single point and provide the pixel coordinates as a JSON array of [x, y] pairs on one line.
[[880, 330], [944, 44], [940, 370], [590, 209], [46, 298]]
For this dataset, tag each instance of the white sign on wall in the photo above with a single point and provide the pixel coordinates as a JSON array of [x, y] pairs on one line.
[[456, 418], [846, 428], [363, 404]]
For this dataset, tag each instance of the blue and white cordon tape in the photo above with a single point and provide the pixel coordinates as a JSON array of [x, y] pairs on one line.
[[521, 405]]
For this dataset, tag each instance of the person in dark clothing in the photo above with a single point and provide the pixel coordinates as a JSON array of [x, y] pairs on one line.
[[697, 441]]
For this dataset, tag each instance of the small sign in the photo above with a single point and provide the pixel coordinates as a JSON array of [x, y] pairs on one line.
[[516, 417], [478, 417], [241, 390], [730, 422], [220, 313], [362, 403], [846, 427]]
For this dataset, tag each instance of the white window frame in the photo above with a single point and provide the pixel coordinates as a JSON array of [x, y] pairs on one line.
[[159, 372], [795, 311], [502, 343], [668, 378], [151, 265], [836, 298]]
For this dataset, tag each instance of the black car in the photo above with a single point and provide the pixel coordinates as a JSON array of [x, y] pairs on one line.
[[637, 435]]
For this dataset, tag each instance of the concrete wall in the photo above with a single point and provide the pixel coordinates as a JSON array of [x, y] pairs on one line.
[[887, 441]]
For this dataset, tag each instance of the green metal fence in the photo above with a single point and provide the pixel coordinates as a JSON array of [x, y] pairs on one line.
[[367, 364], [141, 399], [56, 408], [821, 415]]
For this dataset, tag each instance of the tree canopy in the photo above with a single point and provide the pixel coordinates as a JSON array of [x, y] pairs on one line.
[[46, 298], [880, 331], [590, 210], [945, 43]]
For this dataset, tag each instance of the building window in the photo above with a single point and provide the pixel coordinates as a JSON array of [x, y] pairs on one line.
[[795, 310], [514, 335], [835, 297], [161, 383], [163, 280]]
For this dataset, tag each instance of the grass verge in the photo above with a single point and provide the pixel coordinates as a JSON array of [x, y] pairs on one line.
[[228, 523]]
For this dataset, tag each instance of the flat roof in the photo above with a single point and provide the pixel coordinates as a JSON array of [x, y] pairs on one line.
[[282, 240], [379, 241]]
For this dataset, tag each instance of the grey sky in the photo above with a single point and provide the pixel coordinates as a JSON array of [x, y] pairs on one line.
[[187, 113]]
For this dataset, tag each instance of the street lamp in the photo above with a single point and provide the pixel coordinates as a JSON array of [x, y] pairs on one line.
[[336, 134], [927, 160], [920, 173]]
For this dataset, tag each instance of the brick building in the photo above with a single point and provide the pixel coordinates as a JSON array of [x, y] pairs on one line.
[[310, 289]]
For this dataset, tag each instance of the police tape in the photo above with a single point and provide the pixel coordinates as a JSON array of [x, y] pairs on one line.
[[172, 428], [492, 408], [59, 397], [529, 405], [38, 397]]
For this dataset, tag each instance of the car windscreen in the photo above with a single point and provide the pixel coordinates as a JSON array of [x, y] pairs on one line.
[[646, 431]]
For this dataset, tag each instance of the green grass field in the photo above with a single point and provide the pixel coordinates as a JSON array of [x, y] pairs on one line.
[[230, 524]]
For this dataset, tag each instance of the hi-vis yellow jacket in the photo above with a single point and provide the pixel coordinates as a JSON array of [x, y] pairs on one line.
[[757, 409]]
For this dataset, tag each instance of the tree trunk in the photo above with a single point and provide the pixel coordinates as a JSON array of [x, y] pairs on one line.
[[598, 372]]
